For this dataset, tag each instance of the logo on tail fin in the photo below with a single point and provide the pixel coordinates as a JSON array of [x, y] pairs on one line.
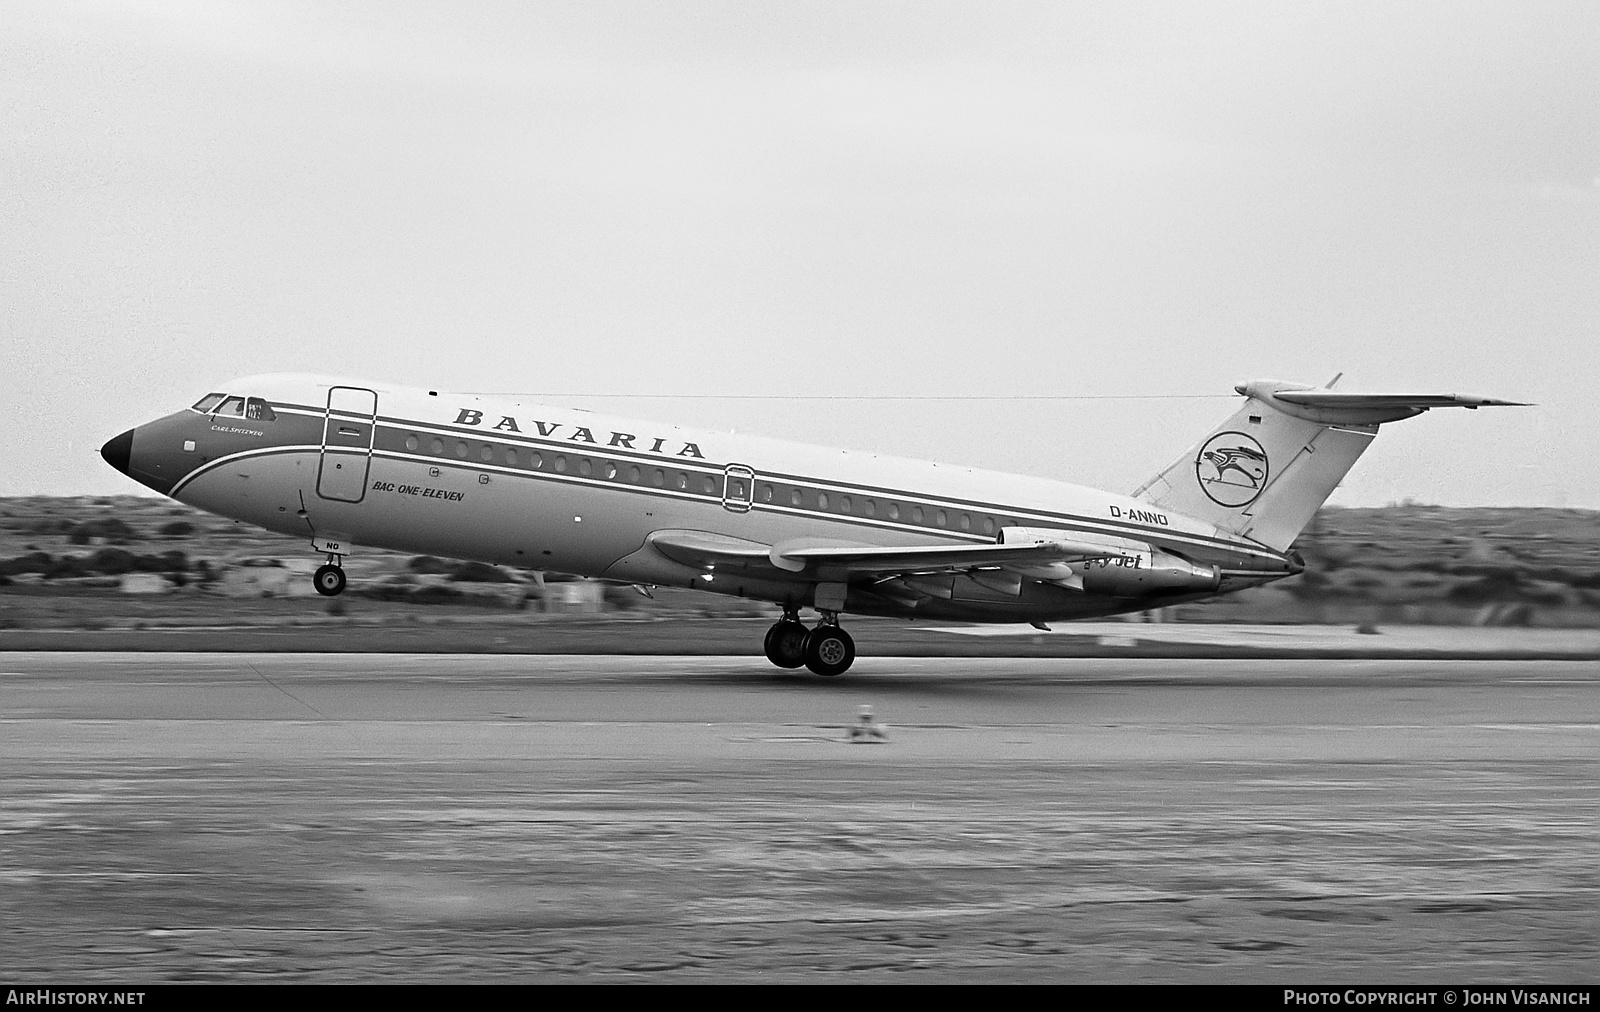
[[1231, 469]]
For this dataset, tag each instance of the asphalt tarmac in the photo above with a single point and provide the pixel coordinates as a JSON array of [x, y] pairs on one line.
[[394, 818]]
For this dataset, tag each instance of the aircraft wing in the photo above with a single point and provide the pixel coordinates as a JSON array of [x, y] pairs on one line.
[[835, 560]]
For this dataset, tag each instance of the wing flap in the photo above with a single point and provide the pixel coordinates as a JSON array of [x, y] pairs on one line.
[[894, 560]]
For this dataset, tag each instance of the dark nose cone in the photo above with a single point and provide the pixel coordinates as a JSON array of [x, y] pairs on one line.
[[117, 449]]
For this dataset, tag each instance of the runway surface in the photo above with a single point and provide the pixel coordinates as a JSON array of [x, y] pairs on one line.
[[401, 817]]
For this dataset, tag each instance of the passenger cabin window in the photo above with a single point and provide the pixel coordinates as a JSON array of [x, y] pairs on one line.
[[205, 404], [259, 410]]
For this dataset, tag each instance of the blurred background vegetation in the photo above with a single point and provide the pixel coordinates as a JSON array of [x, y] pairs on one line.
[[1399, 564]]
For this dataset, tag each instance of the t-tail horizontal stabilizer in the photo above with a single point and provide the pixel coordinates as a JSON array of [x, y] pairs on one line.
[[1264, 472]]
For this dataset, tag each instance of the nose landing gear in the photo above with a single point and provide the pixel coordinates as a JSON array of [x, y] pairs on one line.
[[827, 650], [329, 579]]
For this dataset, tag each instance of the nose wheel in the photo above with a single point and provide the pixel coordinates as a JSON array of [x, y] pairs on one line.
[[329, 580]]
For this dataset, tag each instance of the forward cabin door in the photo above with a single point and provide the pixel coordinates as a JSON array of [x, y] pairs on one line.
[[347, 434]]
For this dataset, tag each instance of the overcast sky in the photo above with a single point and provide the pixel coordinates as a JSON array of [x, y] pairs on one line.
[[879, 199]]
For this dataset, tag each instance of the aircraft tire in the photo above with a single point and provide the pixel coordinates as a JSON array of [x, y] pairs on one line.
[[329, 581], [785, 644], [829, 651]]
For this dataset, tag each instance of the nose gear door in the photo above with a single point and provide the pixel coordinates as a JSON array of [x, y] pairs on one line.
[[348, 429]]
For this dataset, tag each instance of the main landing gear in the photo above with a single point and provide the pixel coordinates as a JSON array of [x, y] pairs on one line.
[[826, 650], [329, 579]]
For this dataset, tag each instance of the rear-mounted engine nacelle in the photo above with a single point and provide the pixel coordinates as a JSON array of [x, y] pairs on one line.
[[1118, 567], [1155, 573]]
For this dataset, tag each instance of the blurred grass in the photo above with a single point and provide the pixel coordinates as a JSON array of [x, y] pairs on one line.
[[64, 561]]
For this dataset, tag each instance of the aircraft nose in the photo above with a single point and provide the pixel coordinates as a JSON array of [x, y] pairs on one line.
[[117, 450]]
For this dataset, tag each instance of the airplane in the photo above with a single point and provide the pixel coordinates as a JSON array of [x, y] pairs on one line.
[[507, 481]]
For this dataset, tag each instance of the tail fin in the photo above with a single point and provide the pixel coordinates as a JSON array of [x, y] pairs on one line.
[[1264, 472]]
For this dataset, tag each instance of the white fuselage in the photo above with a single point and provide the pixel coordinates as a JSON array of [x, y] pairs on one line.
[[512, 482]]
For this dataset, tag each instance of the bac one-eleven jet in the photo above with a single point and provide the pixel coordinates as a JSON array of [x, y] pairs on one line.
[[510, 482]]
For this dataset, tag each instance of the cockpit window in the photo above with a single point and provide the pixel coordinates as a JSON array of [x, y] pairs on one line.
[[222, 404]]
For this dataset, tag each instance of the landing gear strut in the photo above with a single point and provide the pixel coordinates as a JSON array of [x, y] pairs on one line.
[[329, 579], [827, 650]]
